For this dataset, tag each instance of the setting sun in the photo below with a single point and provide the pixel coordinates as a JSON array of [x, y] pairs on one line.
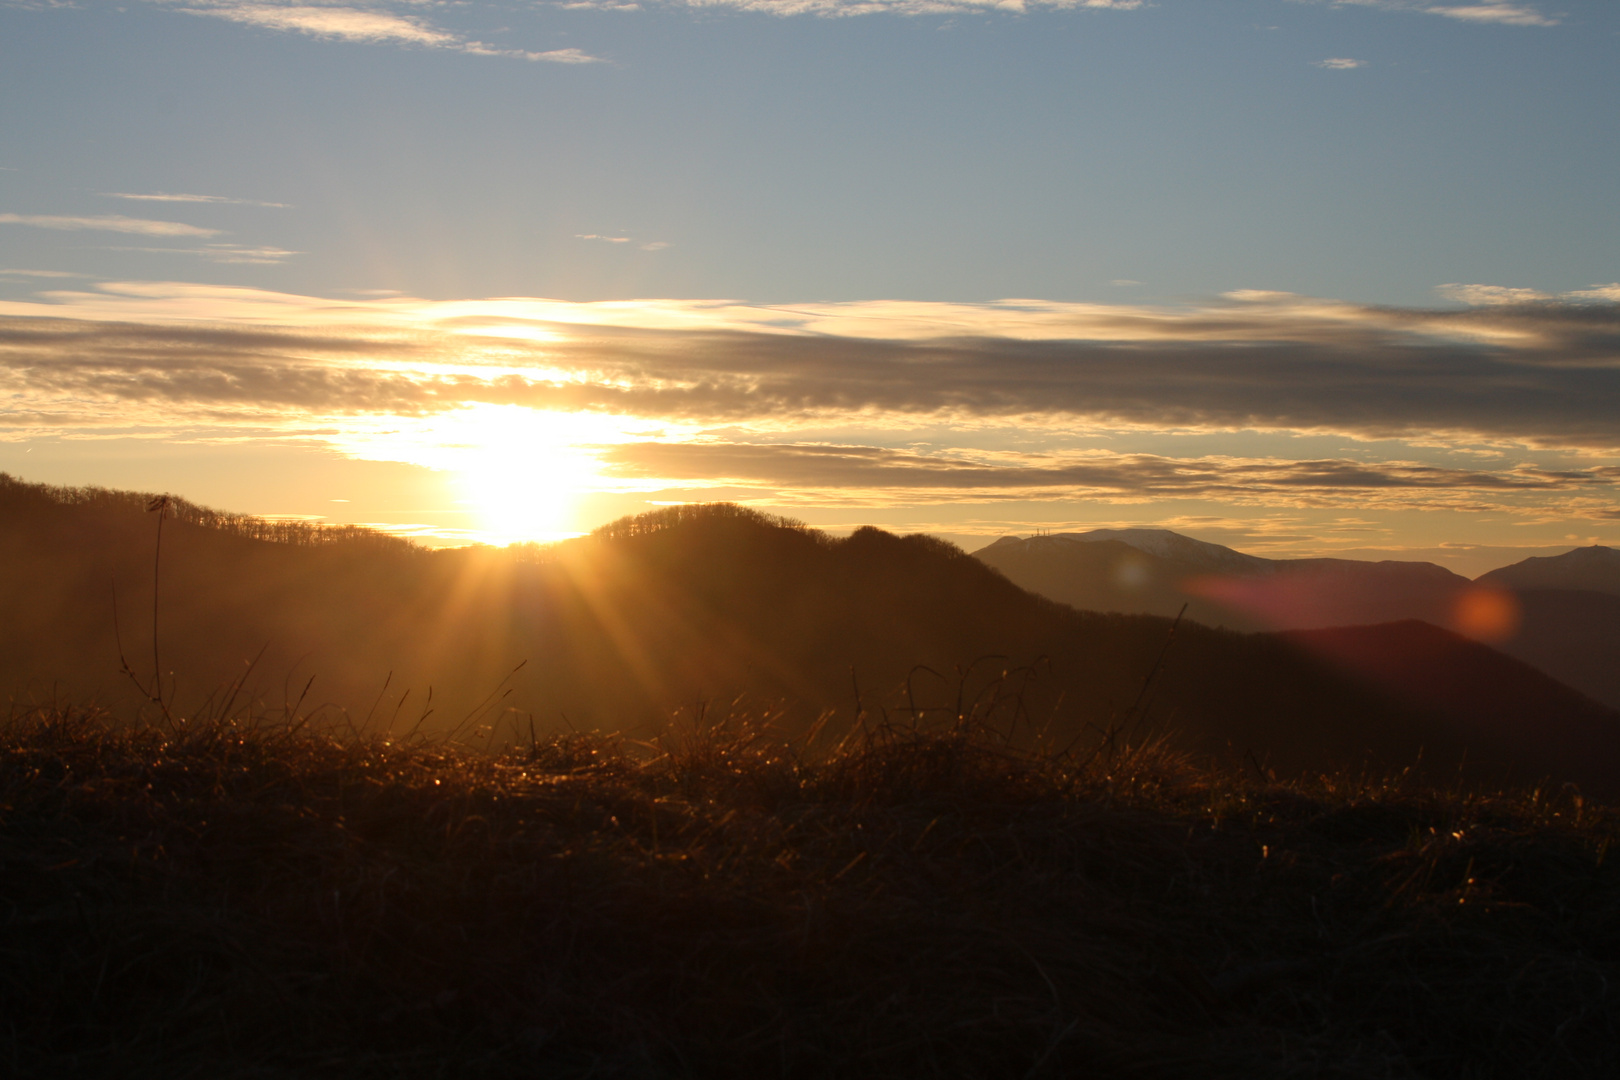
[[519, 471], [523, 470]]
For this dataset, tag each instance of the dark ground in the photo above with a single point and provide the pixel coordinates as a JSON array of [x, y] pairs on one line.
[[238, 899]]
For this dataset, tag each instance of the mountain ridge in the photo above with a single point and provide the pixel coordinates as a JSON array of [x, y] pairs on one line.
[[1594, 568]]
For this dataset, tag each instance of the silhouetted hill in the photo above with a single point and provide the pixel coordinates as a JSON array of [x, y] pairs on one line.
[[1590, 569], [694, 607]]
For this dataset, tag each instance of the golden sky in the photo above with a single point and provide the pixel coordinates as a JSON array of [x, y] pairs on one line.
[[1282, 424]]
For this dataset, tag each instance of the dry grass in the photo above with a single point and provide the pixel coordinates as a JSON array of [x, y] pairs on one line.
[[236, 899]]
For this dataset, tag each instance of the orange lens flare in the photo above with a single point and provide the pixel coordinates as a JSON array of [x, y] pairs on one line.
[[1486, 614]]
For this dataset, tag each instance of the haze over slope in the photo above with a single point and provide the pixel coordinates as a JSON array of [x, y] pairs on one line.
[[1561, 614], [1156, 570], [692, 607]]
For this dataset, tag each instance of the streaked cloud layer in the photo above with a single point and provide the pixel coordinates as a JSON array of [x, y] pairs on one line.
[[819, 472], [1538, 373], [844, 403], [844, 8]]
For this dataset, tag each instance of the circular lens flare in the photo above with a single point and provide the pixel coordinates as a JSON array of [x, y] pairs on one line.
[[1486, 614]]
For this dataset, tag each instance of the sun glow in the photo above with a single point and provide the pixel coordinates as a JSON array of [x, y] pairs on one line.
[[523, 471], [520, 471]]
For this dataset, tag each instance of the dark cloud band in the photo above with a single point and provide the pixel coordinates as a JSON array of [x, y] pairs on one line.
[[1112, 474], [1540, 374]]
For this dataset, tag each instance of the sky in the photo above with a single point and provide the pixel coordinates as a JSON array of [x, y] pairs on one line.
[[1304, 277]]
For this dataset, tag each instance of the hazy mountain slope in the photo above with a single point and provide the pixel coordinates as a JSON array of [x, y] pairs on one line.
[[1574, 637], [1591, 569], [1213, 558], [694, 606], [1486, 700], [1563, 614], [1156, 571], [1107, 575], [1311, 593]]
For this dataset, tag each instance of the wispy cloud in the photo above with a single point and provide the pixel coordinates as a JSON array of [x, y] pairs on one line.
[[651, 245], [1340, 63], [1494, 11], [374, 24], [108, 223], [844, 8], [550, 56], [1485, 295], [339, 23], [40, 273], [225, 253], [1504, 12], [160, 196], [1495, 295], [1609, 293]]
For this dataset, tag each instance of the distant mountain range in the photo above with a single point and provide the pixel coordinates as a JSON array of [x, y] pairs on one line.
[[1593, 569], [1559, 613], [694, 608]]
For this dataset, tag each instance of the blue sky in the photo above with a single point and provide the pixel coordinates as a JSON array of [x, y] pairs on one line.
[[1160, 159]]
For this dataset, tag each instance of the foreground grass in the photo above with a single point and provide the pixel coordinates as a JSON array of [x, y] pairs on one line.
[[238, 900]]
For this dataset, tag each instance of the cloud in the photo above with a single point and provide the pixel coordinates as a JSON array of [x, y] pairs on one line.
[[1340, 63], [653, 245], [1609, 292], [1504, 12], [1480, 295], [551, 56], [785, 404], [226, 253], [1485, 295], [217, 199], [370, 25], [844, 8], [833, 472], [40, 273], [1494, 11], [339, 23], [1539, 374], [108, 223]]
